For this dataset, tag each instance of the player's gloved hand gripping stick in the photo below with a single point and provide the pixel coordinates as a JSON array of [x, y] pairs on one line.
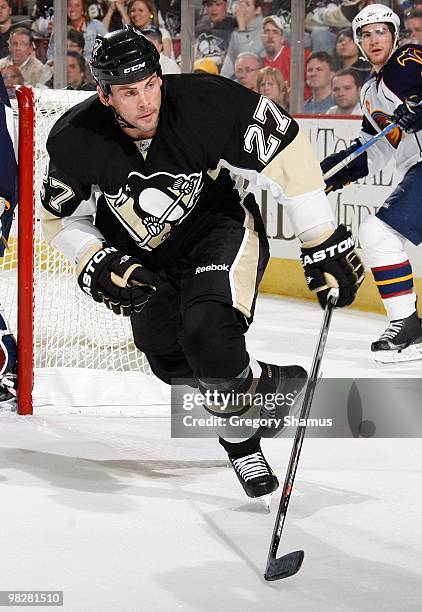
[[331, 261], [407, 115], [344, 162], [118, 280], [289, 564]]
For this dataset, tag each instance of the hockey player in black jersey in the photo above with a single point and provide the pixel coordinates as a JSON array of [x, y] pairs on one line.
[[174, 244], [393, 93]]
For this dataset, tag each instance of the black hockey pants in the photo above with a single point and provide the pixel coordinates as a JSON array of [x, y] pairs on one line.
[[194, 324]]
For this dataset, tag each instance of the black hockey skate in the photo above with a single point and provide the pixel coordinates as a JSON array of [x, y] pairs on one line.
[[251, 467], [401, 341]]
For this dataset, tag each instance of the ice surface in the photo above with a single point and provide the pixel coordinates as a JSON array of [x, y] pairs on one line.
[[120, 517]]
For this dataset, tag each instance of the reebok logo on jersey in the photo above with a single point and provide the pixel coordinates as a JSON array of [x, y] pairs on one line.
[[212, 268], [329, 252]]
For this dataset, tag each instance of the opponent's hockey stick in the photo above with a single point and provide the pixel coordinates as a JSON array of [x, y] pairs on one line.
[[332, 171], [289, 564]]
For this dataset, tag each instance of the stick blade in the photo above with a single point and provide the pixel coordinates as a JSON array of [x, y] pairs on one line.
[[285, 566]]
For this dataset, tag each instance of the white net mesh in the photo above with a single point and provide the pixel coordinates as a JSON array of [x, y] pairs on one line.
[[70, 330]]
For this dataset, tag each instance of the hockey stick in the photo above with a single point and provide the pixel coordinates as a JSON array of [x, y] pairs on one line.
[[289, 564], [332, 171]]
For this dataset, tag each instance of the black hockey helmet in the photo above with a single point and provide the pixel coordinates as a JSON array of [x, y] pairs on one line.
[[123, 56]]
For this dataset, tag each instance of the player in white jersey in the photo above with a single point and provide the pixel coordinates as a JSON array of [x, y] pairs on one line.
[[391, 94]]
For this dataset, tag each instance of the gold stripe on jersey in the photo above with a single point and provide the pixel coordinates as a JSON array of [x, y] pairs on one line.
[[243, 273], [296, 168], [51, 225]]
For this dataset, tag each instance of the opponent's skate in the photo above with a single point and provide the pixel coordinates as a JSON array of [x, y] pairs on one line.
[[401, 341]]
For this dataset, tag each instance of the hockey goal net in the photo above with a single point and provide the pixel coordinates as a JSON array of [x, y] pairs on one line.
[[58, 327]]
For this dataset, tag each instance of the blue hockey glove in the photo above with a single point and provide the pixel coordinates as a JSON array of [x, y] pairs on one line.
[[356, 169]]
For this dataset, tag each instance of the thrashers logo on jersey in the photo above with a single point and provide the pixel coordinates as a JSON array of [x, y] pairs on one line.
[[383, 119], [409, 55], [150, 206]]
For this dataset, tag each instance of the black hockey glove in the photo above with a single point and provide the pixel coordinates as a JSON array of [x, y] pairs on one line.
[[335, 257], [408, 115], [355, 170], [119, 281]]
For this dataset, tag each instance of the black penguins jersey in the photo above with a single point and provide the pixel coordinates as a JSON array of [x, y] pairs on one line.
[[155, 204]]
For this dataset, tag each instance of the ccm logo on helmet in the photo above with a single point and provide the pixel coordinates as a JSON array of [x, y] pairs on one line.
[[134, 68], [329, 252]]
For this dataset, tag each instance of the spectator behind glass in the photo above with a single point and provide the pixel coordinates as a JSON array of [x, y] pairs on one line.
[[277, 53], [142, 15], [247, 36], [115, 16], [76, 73], [12, 77], [205, 64], [21, 54], [324, 19], [75, 41], [78, 19], [5, 26], [168, 65], [213, 31], [169, 15], [247, 66], [413, 27], [271, 83], [346, 93], [348, 55], [43, 16], [319, 75]]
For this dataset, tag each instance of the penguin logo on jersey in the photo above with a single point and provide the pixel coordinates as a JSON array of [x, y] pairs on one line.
[[149, 207]]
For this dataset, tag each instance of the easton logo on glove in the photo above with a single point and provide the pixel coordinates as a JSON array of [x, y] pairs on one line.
[[329, 252], [118, 280], [91, 267], [333, 262]]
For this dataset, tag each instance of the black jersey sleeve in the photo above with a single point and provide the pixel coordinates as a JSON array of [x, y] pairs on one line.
[[261, 130], [402, 73], [61, 193], [258, 140], [229, 122], [78, 157]]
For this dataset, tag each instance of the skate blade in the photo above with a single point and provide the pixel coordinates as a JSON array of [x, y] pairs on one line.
[[266, 501], [411, 353]]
